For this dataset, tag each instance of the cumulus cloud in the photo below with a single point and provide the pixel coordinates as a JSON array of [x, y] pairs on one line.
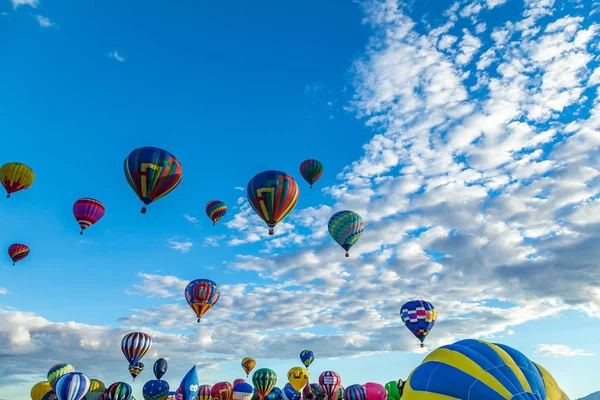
[[31, 3], [3, 291], [191, 219], [182, 246], [560, 350]]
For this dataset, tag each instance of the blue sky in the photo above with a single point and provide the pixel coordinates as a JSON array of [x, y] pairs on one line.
[[465, 133]]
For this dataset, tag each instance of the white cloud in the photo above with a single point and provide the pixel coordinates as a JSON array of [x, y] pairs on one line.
[[241, 189], [44, 22], [560, 350], [3, 291], [182, 246], [191, 219], [31, 3], [116, 56]]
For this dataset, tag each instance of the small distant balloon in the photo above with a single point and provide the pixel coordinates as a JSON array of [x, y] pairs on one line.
[[87, 212], [17, 252], [16, 177], [345, 227], [311, 170], [136, 369], [419, 316], [215, 209], [160, 368], [307, 357], [248, 365], [202, 295]]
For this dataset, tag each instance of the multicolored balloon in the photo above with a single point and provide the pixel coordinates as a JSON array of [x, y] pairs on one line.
[[311, 170], [56, 372], [39, 390], [474, 369], [96, 391], [202, 295], [172, 396], [374, 391], [87, 212], [330, 382], [339, 395], [15, 177], [222, 391], [160, 368], [152, 173], [355, 392], [307, 357], [204, 392], [136, 369], [242, 391], [272, 195], [17, 252], [216, 209], [419, 317], [135, 345], [345, 227], [119, 391], [256, 396], [155, 390], [248, 365], [298, 378], [315, 391], [289, 393], [72, 386], [275, 394], [264, 381]]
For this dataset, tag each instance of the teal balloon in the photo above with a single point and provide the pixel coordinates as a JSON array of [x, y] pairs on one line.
[[345, 227]]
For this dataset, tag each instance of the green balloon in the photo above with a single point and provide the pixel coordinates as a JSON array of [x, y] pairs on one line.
[[264, 381], [392, 389]]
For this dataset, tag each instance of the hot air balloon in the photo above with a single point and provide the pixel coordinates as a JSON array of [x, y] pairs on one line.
[[135, 345], [236, 381], [87, 212], [374, 391], [475, 369], [275, 394], [289, 393], [273, 195], [136, 369], [355, 392], [15, 177], [17, 252], [160, 368], [339, 395], [345, 227], [152, 173], [242, 391], [72, 386], [264, 381], [330, 382], [118, 391], [298, 378], [215, 209], [311, 170], [204, 392], [307, 357], [190, 385], [39, 390], [419, 317], [202, 295], [315, 390], [222, 391], [248, 365], [56, 371], [97, 389], [155, 390], [392, 390]]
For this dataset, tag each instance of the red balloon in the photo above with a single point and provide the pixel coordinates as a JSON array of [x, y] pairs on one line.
[[238, 381], [330, 382], [222, 391]]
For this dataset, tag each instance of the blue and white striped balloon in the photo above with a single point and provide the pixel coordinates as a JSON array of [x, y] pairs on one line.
[[72, 386]]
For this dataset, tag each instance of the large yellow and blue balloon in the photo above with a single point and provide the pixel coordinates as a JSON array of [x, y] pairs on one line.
[[202, 295], [419, 316], [345, 227], [473, 369], [272, 195], [152, 173], [15, 177]]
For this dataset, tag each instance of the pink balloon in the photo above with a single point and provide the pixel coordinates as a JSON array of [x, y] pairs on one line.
[[375, 391], [238, 381]]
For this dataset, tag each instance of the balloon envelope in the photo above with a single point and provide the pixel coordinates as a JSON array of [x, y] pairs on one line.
[[345, 227], [311, 170], [264, 381], [135, 345], [87, 212], [242, 391], [160, 368], [119, 391], [17, 252], [155, 390], [298, 378], [215, 209], [202, 295], [15, 177], [307, 357], [39, 390], [374, 391], [136, 369], [56, 371], [392, 390], [330, 382], [274, 395], [289, 393], [222, 391], [248, 364], [204, 392], [190, 384], [72, 386], [419, 316], [355, 392]]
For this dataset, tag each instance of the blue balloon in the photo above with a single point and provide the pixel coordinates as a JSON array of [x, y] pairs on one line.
[[160, 367], [155, 390], [307, 357], [190, 385], [242, 390], [289, 393], [275, 394]]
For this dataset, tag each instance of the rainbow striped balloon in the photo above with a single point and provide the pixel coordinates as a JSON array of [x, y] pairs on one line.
[[216, 209], [135, 345], [72, 386]]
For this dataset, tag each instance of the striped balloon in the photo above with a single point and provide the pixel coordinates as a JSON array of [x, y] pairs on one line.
[[274, 395], [242, 391], [204, 392], [330, 382], [419, 316], [135, 345], [311, 170], [272, 195], [72, 386], [264, 381], [17, 252], [87, 212], [202, 295], [152, 173], [155, 390], [56, 371], [15, 177], [355, 392], [119, 391], [215, 209], [339, 395], [345, 227]]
